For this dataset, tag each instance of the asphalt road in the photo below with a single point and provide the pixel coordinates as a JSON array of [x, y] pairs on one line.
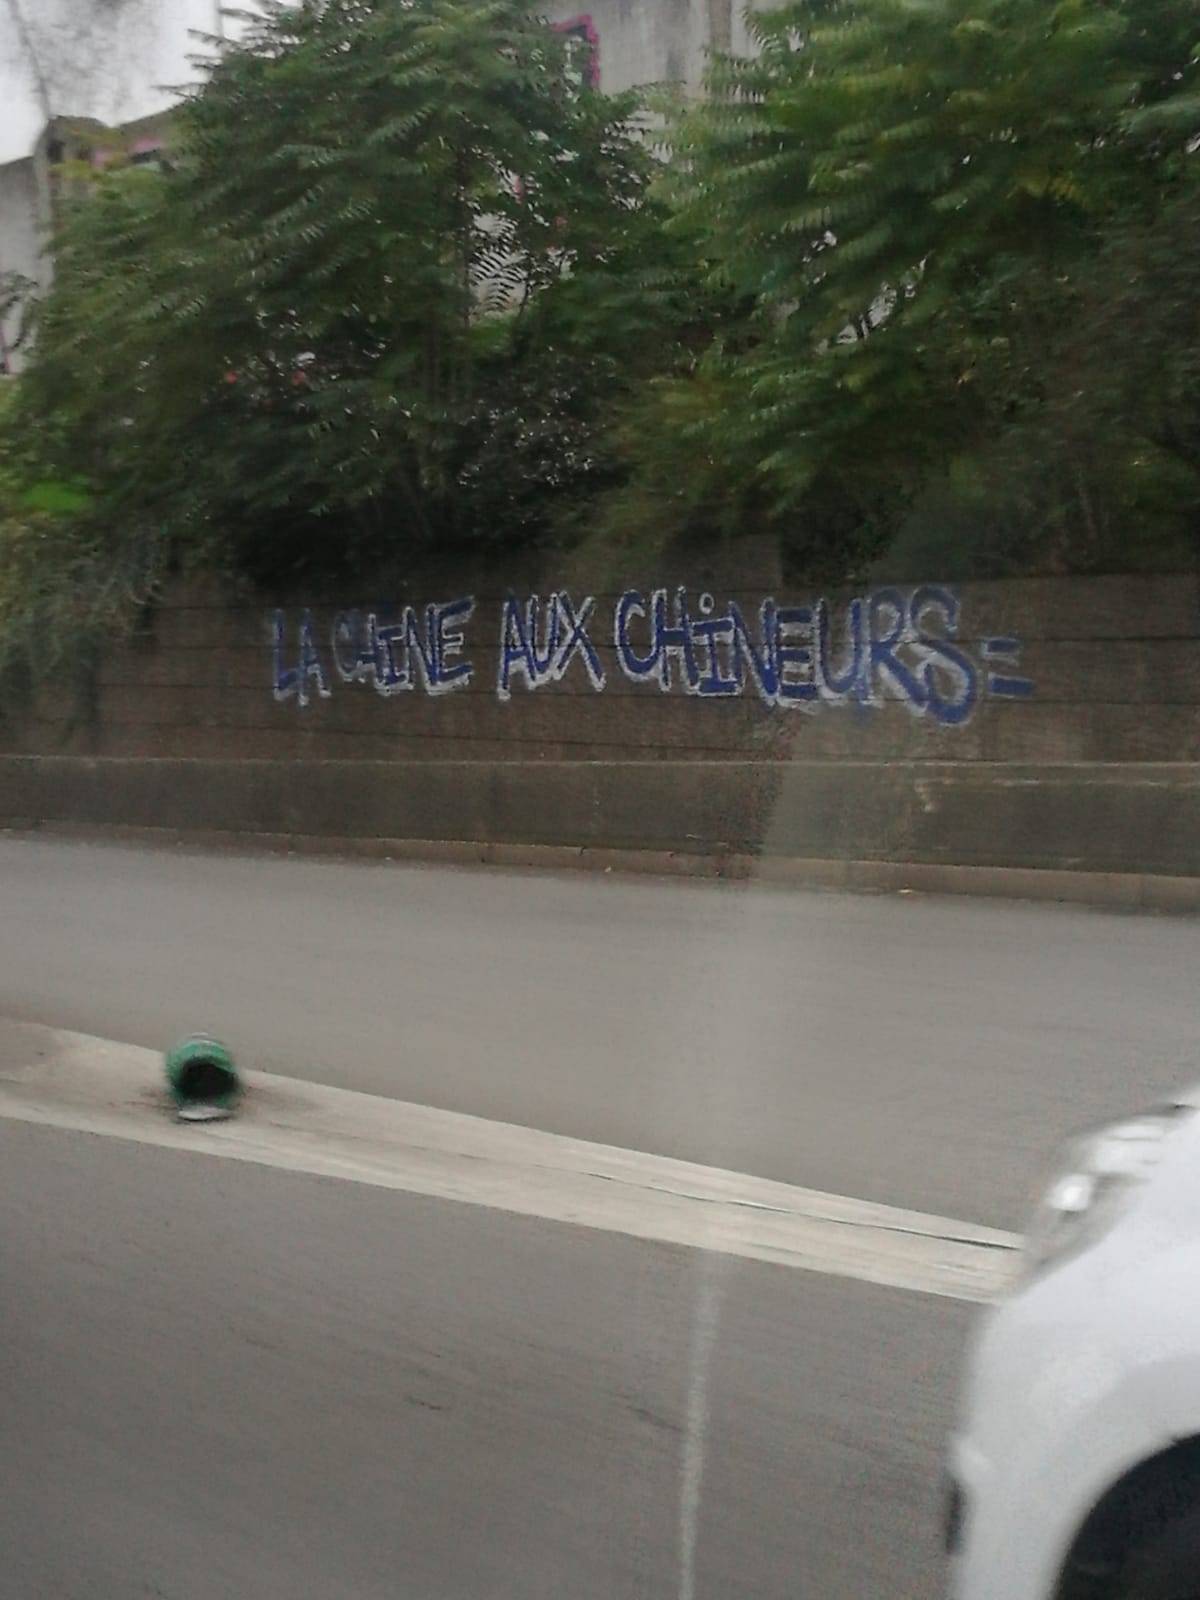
[[221, 1382], [918, 1051], [225, 1382]]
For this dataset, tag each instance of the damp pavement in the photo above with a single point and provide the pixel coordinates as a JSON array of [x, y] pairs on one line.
[[919, 1051], [223, 1380], [227, 1379]]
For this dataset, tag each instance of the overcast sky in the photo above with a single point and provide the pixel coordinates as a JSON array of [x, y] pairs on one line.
[[110, 59]]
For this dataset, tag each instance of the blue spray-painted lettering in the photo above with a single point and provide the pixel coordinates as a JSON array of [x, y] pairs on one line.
[[577, 641], [1004, 685], [284, 679], [760, 658], [419, 646], [380, 647], [674, 640], [449, 641], [310, 661], [633, 664], [565, 632], [947, 673], [392, 672], [791, 655], [715, 637], [889, 645], [347, 626], [885, 640], [542, 660], [515, 654], [293, 682], [852, 679]]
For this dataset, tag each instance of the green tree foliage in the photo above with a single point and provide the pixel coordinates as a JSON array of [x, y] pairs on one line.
[[376, 301], [62, 580], [918, 281], [932, 208]]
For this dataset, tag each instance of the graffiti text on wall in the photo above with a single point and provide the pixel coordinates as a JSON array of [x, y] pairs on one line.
[[890, 644]]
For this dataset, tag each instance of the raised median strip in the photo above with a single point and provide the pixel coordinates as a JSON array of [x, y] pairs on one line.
[[93, 1086]]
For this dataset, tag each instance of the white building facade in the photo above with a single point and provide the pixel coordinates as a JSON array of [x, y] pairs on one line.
[[116, 62]]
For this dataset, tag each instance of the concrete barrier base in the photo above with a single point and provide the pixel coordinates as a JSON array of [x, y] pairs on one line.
[[1121, 835], [1120, 891]]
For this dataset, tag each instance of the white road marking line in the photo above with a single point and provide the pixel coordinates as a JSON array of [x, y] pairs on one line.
[[73, 1081], [705, 1318]]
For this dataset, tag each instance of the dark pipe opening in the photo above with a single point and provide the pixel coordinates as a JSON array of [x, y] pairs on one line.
[[205, 1082]]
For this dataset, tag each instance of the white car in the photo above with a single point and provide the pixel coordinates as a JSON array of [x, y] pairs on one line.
[[1075, 1470]]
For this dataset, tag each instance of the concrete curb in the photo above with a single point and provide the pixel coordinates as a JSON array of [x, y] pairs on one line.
[[1125, 891], [52, 1078]]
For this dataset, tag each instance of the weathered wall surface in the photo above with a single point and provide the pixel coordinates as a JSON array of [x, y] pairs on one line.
[[641, 42], [20, 240], [114, 60], [1039, 723], [714, 667]]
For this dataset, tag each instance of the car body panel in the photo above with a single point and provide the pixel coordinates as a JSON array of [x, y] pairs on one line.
[[1086, 1370]]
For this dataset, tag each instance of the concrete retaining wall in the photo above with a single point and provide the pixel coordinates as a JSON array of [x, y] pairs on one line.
[[1042, 725], [1103, 818]]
